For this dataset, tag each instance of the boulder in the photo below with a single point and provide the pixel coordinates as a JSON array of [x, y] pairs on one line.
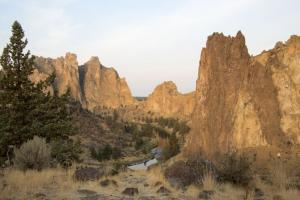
[[130, 191]]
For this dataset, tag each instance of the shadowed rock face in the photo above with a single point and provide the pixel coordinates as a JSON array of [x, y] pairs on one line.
[[92, 84], [243, 101], [166, 100]]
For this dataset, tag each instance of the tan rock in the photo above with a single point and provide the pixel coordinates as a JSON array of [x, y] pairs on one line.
[[284, 64], [66, 70], [167, 101], [102, 86], [95, 85], [245, 102]]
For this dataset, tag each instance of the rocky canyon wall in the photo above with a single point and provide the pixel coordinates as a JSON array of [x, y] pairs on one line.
[[244, 101], [102, 86], [92, 84]]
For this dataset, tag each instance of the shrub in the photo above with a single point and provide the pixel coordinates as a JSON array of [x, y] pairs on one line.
[[185, 173], [88, 174], [172, 148], [146, 130], [139, 143], [106, 153], [33, 154], [65, 152], [234, 168], [116, 153], [116, 168], [148, 146], [162, 133], [209, 182]]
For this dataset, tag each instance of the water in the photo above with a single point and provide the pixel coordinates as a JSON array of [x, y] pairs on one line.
[[143, 166]]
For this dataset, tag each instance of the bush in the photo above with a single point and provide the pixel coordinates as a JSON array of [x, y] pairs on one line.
[[148, 146], [65, 152], [116, 153], [172, 149], [34, 154], [185, 173], [116, 168], [139, 143], [105, 153], [162, 133], [234, 168], [88, 174]]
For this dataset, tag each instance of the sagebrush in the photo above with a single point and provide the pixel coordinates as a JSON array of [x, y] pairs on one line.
[[33, 154]]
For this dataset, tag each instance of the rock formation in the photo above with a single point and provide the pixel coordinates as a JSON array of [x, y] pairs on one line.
[[102, 86], [92, 84], [66, 70], [244, 101], [167, 101]]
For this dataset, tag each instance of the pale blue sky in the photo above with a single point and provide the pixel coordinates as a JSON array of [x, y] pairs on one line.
[[147, 41]]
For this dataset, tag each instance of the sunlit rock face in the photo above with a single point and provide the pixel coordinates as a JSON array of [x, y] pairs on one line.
[[102, 86], [284, 64], [92, 84], [167, 101], [244, 101], [66, 71]]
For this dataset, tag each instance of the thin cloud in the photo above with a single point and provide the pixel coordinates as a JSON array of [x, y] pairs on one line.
[[147, 42]]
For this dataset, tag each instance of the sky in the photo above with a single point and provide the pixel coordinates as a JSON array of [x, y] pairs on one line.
[[147, 41]]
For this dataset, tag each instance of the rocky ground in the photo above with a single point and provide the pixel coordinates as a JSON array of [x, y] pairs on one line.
[[60, 184]]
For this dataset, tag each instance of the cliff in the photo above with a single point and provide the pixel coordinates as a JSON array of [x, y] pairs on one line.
[[167, 101], [102, 86], [66, 70], [244, 101], [92, 84]]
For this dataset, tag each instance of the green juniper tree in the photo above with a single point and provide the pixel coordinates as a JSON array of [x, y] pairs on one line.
[[25, 108]]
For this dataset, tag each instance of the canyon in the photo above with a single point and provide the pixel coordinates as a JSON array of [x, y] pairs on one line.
[[240, 100]]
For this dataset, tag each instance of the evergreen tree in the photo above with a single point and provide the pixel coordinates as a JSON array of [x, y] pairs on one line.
[[25, 108]]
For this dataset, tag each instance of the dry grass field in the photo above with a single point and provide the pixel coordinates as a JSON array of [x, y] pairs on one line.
[[59, 184]]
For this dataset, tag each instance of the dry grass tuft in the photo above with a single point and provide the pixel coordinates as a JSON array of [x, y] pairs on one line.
[[25, 184], [292, 194], [209, 182]]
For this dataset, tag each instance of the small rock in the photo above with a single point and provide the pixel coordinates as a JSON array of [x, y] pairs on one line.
[[40, 196], [157, 183], [258, 194], [146, 185], [163, 190], [107, 182], [206, 194], [104, 183], [114, 182], [130, 191]]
